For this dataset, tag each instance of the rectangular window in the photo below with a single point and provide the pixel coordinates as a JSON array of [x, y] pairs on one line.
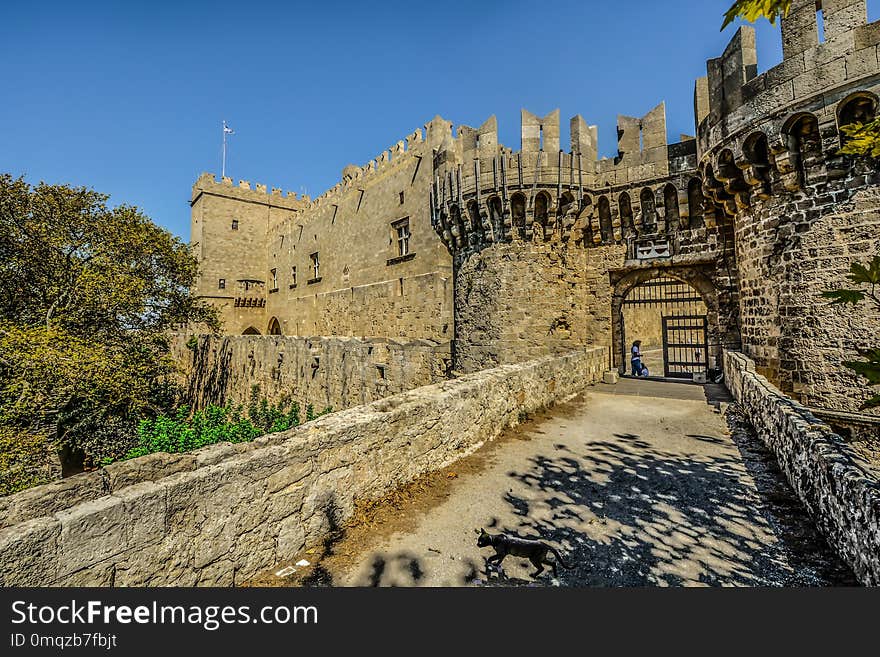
[[293, 277], [316, 266], [222, 284], [401, 198], [402, 229], [235, 224], [274, 276]]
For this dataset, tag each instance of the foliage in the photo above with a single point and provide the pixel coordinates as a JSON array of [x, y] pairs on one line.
[[863, 139], [184, 431], [868, 277], [87, 297], [752, 10]]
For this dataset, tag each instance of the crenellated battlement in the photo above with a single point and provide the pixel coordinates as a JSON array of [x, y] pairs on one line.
[[257, 193], [779, 133], [485, 192]]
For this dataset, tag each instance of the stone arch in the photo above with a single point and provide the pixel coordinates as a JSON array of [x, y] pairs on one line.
[[859, 107], [624, 207], [474, 218], [649, 210], [696, 204], [606, 228], [250, 330], [730, 174], [756, 149], [584, 219], [670, 204], [456, 225], [542, 212], [496, 213], [518, 213], [691, 276], [274, 327], [803, 142]]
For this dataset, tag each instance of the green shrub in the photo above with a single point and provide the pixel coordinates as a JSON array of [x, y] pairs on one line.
[[186, 430]]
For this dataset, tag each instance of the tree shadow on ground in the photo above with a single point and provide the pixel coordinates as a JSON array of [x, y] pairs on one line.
[[627, 513]]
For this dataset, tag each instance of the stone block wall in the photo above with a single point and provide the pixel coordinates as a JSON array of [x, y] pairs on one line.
[[221, 514], [321, 371], [522, 300], [842, 497]]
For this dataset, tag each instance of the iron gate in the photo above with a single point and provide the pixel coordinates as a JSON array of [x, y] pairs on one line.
[[685, 347]]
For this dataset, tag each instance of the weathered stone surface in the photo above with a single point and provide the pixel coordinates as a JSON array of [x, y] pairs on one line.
[[29, 552], [842, 497]]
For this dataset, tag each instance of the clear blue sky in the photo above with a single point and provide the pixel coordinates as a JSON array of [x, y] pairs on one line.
[[128, 97]]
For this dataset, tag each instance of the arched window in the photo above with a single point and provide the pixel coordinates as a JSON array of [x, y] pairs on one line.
[[670, 203], [649, 210], [860, 107], [605, 225], [495, 212], [757, 152], [624, 206], [274, 327], [250, 330], [474, 215], [804, 143], [695, 202], [542, 212], [518, 210]]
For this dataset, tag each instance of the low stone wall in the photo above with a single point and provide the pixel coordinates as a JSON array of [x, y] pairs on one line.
[[338, 372], [843, 498], [221, 514]]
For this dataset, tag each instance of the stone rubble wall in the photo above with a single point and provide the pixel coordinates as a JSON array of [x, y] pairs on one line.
[[335, 372], [843, 498], [219, 515]]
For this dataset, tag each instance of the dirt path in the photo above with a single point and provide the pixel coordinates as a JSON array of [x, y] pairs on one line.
[[642, 483]]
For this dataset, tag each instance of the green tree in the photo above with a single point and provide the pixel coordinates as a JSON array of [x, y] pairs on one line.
[[867, 278], [88, 294], [863, 139]]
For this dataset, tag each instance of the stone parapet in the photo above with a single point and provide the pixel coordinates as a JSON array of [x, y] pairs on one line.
[[842, 497], [219, 515]]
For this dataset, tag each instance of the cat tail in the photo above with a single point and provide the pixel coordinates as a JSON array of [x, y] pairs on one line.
[[559, 558]]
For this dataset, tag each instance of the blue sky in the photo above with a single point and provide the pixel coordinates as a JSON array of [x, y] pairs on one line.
[[128, 97]]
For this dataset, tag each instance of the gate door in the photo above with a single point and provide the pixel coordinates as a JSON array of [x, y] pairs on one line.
[[685, 348]]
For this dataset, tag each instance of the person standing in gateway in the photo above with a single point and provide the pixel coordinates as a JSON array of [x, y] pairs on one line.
[[636, 358]]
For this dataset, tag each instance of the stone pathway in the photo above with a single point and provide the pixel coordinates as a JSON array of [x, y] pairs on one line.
[[642, 483]]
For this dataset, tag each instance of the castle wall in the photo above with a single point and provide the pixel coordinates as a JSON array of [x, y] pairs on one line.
[[323, 372], [824, 471], [801, 212], [365, 287], [519, 301], [221, 514]]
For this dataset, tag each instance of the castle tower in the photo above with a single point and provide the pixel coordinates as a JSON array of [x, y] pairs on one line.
[[229, 229], [802, 213]]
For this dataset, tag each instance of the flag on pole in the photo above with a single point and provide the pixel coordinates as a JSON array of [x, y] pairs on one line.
[[228, 130]]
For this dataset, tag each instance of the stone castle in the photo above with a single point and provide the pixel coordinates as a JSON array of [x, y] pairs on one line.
[[516, 254], [452, 286]]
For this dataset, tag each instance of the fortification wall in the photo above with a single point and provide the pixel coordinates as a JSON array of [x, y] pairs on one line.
[[325, 372], [802, 213], [842, 497], [519, 301], [218, 516]]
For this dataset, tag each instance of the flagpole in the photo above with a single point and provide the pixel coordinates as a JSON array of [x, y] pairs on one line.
[[223, 166]]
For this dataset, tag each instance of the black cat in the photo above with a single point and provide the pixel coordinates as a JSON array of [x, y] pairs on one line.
[[535, 551]]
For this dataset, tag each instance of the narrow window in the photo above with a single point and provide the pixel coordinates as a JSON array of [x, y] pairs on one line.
[[222, 284], [401, 198], [403, 235], [315, 266], [235, 224], [293, 277], [380, 371], [274, 276]]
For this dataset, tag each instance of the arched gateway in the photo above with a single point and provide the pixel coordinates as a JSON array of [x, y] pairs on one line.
[[674, 313]]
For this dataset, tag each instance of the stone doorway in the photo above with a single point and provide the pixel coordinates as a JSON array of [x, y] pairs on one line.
[[652, 306]]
